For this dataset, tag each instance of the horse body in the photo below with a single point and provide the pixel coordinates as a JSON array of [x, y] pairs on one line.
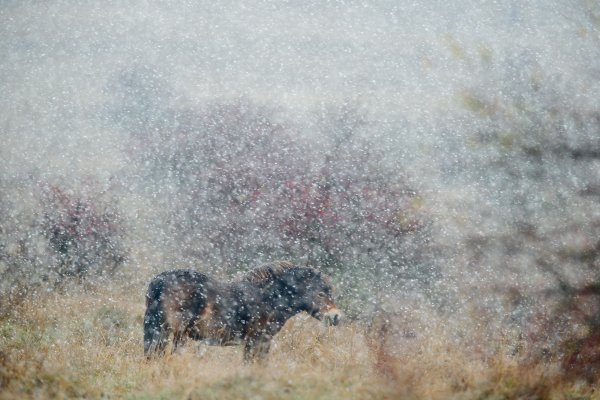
[[249, 310]]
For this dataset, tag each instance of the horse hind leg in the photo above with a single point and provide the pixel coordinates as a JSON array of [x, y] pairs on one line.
[[156, 331], [155, 341], [162, 341], [186, 325], [179, 338], [182, 329]]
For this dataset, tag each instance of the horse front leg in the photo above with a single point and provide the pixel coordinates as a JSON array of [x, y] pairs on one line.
[[257, 348]]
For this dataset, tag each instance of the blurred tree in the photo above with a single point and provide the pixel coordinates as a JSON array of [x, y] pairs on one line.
[[534, 154], [243, 188]]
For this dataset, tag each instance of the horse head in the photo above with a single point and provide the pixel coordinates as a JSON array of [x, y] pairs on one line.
[[312, 291]]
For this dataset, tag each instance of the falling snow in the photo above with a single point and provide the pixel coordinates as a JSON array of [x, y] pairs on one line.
[[439, 160]]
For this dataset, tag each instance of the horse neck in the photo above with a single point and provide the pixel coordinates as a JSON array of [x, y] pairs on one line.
[[262, 299]]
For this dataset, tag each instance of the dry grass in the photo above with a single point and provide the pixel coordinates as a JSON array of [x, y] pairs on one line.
[[88, 343]]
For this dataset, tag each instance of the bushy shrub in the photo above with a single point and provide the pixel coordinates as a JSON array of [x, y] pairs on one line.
[[84, 231], [50, 235]]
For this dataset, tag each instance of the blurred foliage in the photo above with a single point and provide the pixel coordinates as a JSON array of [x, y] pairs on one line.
[[51, 235], [536, 147], [85, 232], [239, 185]]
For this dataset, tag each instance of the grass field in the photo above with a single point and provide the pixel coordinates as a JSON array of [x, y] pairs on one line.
[[87, 343]]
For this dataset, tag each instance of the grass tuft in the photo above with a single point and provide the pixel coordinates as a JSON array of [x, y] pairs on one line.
[[89, 344]]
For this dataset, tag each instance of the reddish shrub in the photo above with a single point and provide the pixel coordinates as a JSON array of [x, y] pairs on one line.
[[83, 230]]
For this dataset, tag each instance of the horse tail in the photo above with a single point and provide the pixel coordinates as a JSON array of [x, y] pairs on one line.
[[156, 330]]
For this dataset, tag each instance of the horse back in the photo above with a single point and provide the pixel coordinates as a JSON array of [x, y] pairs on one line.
[[179, 291]]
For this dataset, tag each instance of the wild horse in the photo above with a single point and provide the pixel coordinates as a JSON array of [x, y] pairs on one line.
[[250, 309]]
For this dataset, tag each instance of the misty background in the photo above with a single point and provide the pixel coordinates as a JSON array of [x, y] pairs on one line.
[[445, 152]]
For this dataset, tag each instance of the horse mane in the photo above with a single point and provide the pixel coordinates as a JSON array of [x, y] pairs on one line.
[[268, 272]]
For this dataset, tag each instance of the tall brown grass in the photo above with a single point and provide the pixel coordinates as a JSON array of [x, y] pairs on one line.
[[87, 342]]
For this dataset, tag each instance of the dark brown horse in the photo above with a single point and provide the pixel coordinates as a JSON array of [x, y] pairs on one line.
[[250, 309]]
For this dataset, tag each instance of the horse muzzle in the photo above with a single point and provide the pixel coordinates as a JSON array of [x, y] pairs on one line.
[[332, 317]]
